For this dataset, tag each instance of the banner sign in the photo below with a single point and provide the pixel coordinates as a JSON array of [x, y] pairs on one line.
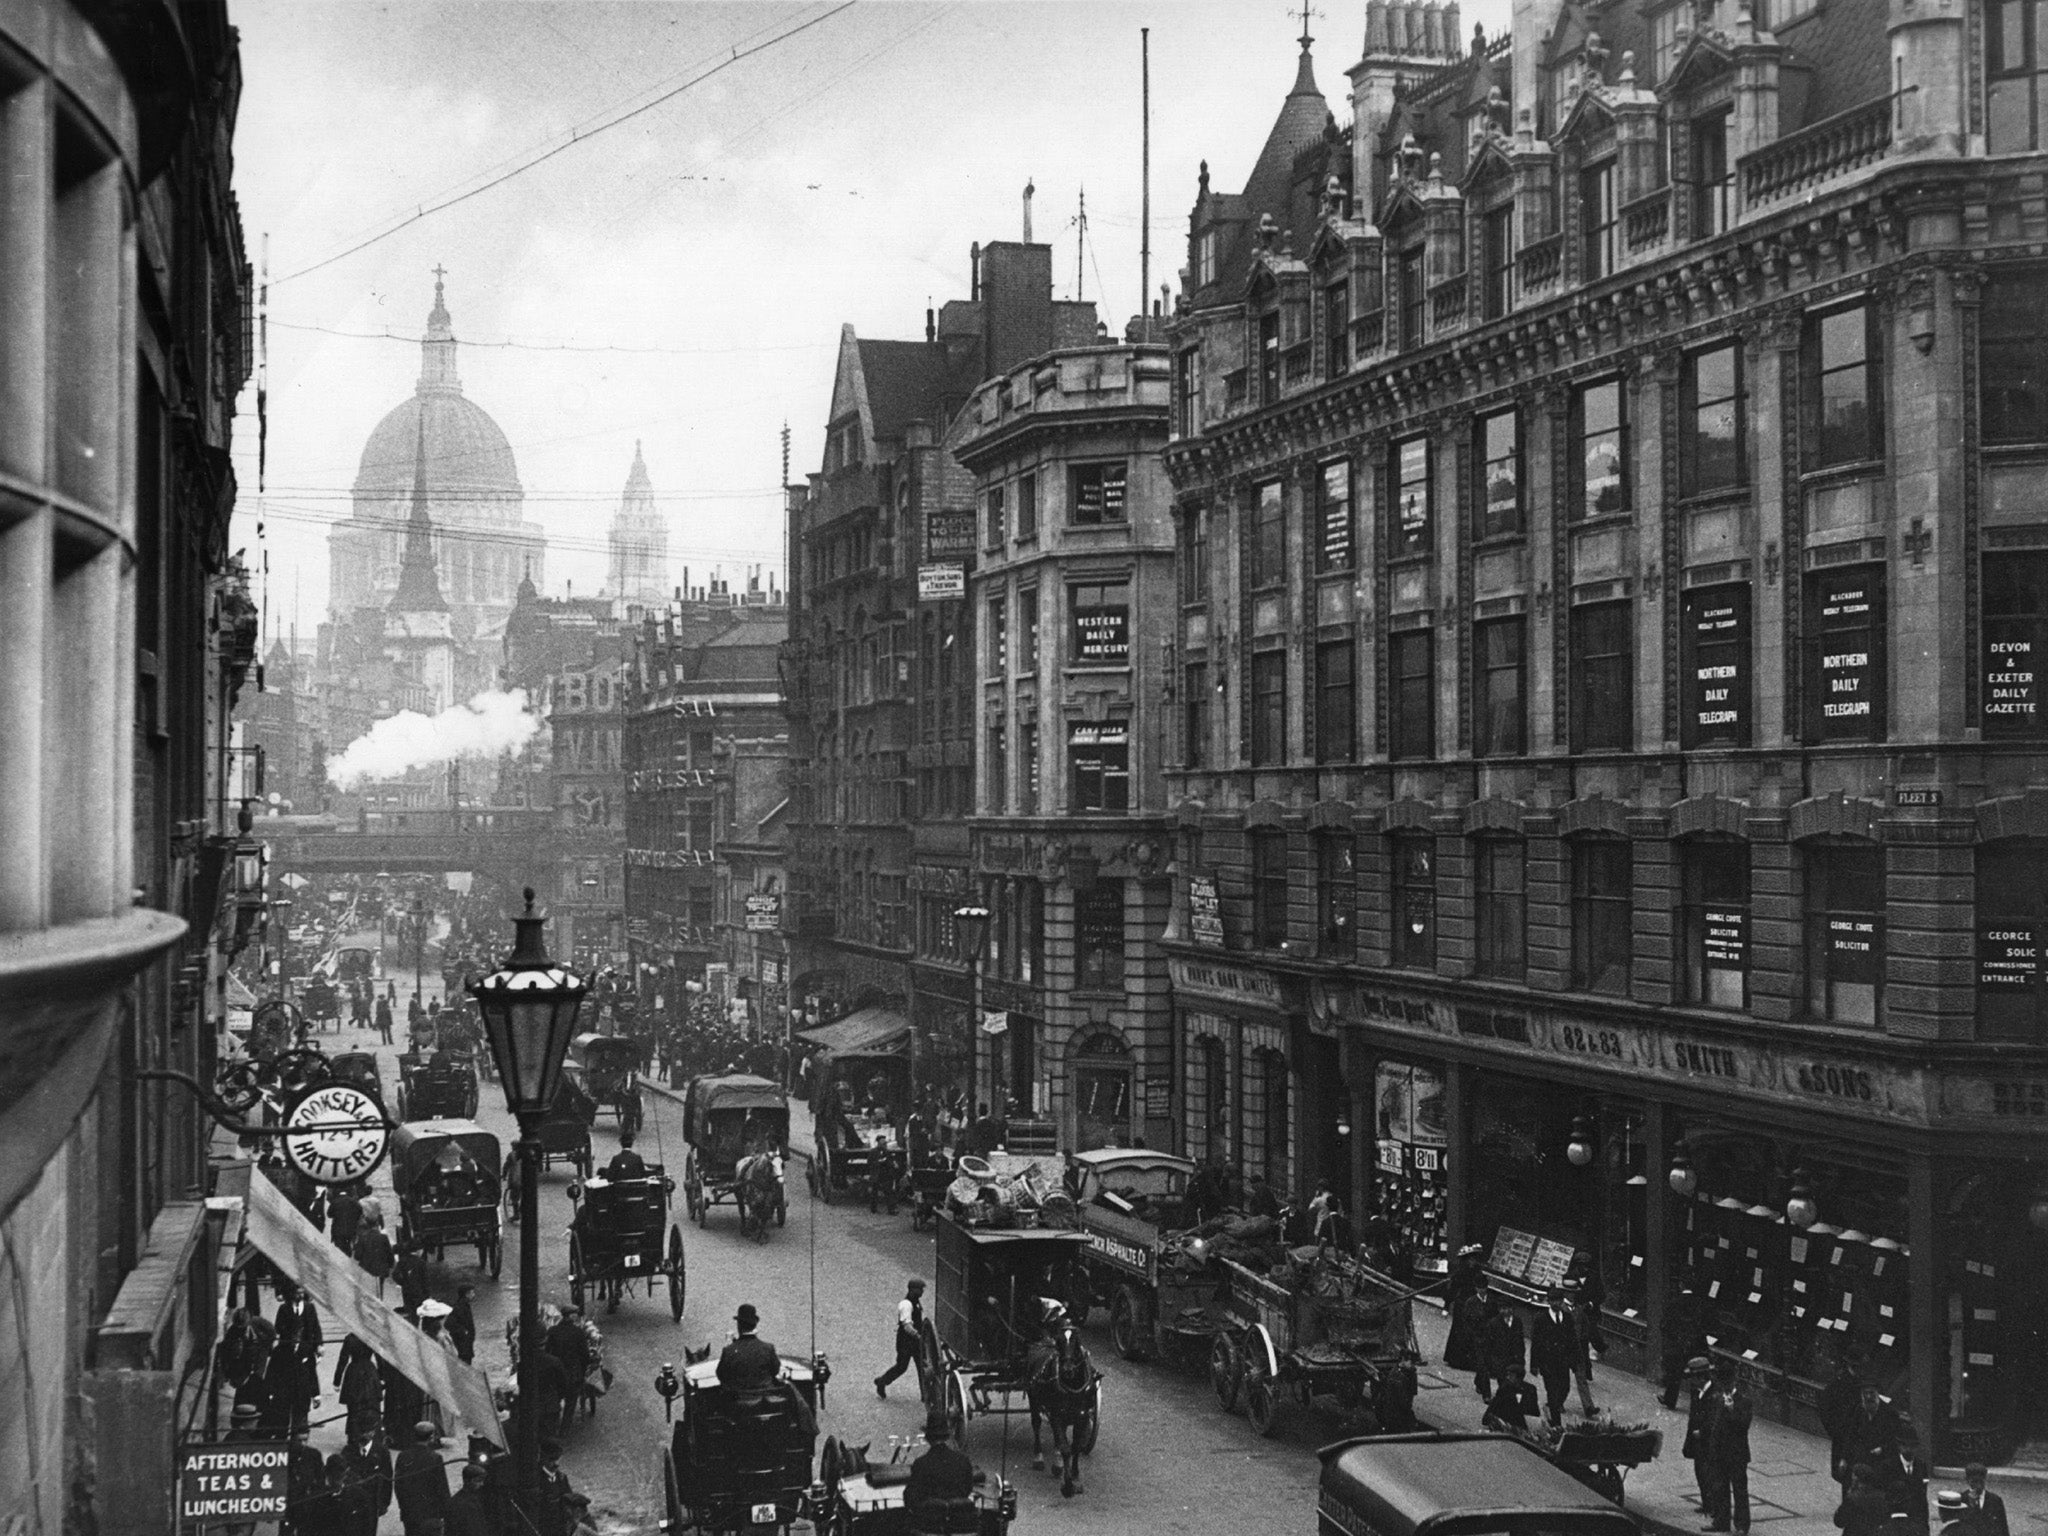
[[1102, 635], [1849, 651], [1716, 667]]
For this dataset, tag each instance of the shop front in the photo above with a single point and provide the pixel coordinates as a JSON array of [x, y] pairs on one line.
[[1238, 1101], [1845, 1207]]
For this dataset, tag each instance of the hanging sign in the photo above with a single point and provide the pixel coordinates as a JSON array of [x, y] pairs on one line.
[[947, 579], [1205, 911], [232, 1483], [764, 911], [334, 1133], [995, 1022]]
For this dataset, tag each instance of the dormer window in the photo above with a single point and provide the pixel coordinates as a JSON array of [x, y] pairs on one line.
[[1337, 327], [1269, 357], [1497, 237], [1713, 178], [1664, 43], [1597, 218], [1414, 297], [1205, 258]]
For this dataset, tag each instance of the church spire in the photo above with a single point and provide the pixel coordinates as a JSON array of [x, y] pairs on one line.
[[419, 587], [437, 350]]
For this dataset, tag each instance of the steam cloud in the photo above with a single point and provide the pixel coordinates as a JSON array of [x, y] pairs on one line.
[[487, 725]]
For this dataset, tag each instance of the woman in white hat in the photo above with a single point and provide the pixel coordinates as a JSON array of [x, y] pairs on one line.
[[433, 1315]]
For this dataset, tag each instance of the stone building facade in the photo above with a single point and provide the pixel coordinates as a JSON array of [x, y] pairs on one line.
[[124, 291], [1609, 480], [1072, 592]]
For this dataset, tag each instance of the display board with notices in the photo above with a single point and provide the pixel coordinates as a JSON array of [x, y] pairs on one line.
[[1549, 1262], [1512, 1251]]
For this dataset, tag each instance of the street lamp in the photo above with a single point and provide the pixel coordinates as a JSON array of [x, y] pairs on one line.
[[529, 1012], [970, 933], [419, 948]]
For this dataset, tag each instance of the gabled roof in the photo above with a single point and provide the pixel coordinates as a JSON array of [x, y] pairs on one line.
[[906, 382]]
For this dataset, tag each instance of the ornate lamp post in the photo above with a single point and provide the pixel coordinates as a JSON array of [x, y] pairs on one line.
[[419, 948], [970, 931], [529, 1011]]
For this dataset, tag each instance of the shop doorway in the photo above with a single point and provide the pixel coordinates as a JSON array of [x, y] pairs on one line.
[[1102, 1080], [1994, 1276]]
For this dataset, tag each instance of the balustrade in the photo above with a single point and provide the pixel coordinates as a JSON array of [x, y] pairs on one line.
[[1832, 147]]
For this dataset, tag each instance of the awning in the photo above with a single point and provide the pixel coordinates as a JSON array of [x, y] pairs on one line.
[[348, 1303], [869, 1032]]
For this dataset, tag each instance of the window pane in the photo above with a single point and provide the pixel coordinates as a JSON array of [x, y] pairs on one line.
[[1499, 712], [1842, 338]]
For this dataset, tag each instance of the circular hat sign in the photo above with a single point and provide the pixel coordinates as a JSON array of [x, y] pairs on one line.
[[335, 1133]]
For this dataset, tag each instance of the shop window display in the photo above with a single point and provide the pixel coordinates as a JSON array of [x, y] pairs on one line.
[[1409, 1161], [1790, 1299], [1997, 1345], [1537, 1211]]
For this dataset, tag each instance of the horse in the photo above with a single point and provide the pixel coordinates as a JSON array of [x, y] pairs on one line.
[[1060, 1386], [757, 1187]]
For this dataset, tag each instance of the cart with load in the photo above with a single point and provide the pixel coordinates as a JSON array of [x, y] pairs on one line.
[[445, 1175], [616, 1239], [738, 1130], [739, 1460], [609, 1069], [1600, 1451], [440, 1086], [859, 1103], [1159, 1288], [1427, 1483], [565, 1133], [987, 1330], [1319, 1325]]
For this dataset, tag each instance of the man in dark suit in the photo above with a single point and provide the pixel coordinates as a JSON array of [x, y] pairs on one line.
[[421, 1484], [748, 1362], [468, 1512], [1557, 1349], [1513, 1405], [1986, 1509], [626, 1163], [1699, 1417], [942, 1474], [1727, 1449], [461, 1324]]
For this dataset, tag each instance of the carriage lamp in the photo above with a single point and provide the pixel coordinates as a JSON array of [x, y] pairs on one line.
[[1580, 1150], [248, 859], [1801, 1210], [666, 1384], [529, 1008], [1684, 1180]]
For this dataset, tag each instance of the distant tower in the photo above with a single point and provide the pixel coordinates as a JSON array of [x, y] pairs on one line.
[[638, 570], [418, 628]]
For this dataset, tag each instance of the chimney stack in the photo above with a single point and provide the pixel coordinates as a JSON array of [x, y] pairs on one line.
[[1028, 190]]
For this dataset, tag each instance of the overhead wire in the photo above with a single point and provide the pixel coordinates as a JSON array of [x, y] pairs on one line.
[[576, 137]]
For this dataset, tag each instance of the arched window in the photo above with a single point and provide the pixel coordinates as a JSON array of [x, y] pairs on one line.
[[1103, 1111], [1213, 1131], [1276, 1101]]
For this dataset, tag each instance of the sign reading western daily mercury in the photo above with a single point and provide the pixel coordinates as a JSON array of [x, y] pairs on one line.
[[1102, 635], [232, 1484]]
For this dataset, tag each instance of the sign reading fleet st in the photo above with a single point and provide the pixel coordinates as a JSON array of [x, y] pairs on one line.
[[335, 1133]]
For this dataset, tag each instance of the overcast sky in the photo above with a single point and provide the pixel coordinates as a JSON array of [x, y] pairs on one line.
[[728, 232]]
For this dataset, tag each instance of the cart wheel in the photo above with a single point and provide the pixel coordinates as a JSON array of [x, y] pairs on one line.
[[811, 1175], [1226, 1371], [1089, 1424], [1262, 1402], [1127, 1325], [956, 1411], [575, 1272], [675, 1274], [930, 1365]]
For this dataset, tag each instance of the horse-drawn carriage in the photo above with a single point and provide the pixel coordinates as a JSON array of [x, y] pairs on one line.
[[1000, 1345], [1331, 1327], [738, 1128], [440, 1086], [360, 1069], [860, 1101], [322, 1002], [444, 1173], [609, 1069], [739, 1460], [615, 1239], [565, 1133]]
